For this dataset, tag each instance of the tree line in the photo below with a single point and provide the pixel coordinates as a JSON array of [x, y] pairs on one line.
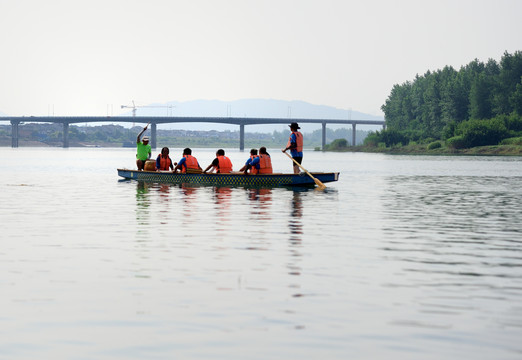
[[479, 104]]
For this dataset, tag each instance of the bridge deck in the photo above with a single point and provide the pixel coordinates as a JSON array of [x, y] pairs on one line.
[[154, 120]]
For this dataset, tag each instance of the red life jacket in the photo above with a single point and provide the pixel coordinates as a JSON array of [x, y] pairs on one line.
[[225, 165], [190, 163], [164, 162], [299, 141], [253, 169], [265, 164]]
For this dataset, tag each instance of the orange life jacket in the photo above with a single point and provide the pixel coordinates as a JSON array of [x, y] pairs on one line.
[[164, 162], [253, 169], [225, 165], [190, 163], [265, 164], [299, 141]]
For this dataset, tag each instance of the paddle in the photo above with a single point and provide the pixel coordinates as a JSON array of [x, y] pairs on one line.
[[317, 182]]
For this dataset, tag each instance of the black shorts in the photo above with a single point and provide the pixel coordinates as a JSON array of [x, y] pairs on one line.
[[299, 159]]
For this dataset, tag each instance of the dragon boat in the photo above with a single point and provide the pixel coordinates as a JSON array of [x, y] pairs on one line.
[[231, 179]]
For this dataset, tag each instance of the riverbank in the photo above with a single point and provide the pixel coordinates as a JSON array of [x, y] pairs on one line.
[[422, 149]]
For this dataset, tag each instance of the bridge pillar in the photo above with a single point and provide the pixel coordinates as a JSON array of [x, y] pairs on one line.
[[65, 135], [14, 133], [353, 134], [242, 137], [323, 139], [153, 127]]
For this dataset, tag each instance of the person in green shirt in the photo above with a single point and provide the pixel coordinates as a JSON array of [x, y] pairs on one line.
[[143, 149]]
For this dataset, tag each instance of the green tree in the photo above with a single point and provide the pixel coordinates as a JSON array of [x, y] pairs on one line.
[[516, 99], [508, 79], [480, 97]]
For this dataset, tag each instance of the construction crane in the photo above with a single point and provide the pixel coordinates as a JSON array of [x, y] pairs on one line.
[[134, 107]]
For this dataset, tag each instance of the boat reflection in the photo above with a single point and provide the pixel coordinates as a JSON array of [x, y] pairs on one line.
[[143, 207], [164, 190], [261, 200], [142, 194], [222, 199], [295, 241], [296, 213], [189, 192], [145, 192]]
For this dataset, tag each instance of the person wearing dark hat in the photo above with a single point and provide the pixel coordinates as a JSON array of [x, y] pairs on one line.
[[143, 149], [295, 145]]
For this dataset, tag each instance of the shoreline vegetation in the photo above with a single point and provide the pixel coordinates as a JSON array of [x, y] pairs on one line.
[[428, 149], [476, 110]]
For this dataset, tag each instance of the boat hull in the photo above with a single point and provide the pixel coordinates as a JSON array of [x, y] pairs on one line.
[[234, 179]]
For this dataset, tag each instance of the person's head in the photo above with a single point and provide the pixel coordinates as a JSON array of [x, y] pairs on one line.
[[165, 151], [220, 152], [145, 140], [253, 152], [187, 151], [294, 126], [262, 150]]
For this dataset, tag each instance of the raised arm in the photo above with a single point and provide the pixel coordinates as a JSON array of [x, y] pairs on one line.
[[141, 133]]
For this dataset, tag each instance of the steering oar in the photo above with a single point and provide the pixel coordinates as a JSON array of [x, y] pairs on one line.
[[320, 185]]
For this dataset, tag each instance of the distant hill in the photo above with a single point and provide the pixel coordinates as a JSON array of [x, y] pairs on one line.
[[250, 108]]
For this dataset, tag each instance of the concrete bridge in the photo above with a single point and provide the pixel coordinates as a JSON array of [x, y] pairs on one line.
[[155, 120]]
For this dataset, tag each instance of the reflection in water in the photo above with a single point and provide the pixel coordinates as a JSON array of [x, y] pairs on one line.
[[143, 204], [296, 233], [296, 227], [142, 200], [189, 197], [261, 200], [222, 194], [260, 221], [222, 197], [164, 190], [189, 191], [164, 197]]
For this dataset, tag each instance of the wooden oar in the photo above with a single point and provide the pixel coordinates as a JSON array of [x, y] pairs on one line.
[[317, 182]]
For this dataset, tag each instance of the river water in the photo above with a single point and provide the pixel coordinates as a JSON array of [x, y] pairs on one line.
[[405, 257]]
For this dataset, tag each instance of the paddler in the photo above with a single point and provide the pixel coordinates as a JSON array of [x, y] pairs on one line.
[[143, 149], [221, 163], [265, 162], [163, 161], [248, 164], [188, 163], [259, 164], [295, 144]]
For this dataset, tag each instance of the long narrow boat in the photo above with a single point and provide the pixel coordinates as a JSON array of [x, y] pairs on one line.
[[233, 179]]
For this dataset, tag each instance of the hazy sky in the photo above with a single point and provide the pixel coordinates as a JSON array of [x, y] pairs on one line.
[[90, 57]]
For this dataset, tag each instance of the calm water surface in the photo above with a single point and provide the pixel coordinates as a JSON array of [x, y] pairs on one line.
[[403, 258]]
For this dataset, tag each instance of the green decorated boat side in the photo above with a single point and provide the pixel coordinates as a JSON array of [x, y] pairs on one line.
[[233, 179]]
